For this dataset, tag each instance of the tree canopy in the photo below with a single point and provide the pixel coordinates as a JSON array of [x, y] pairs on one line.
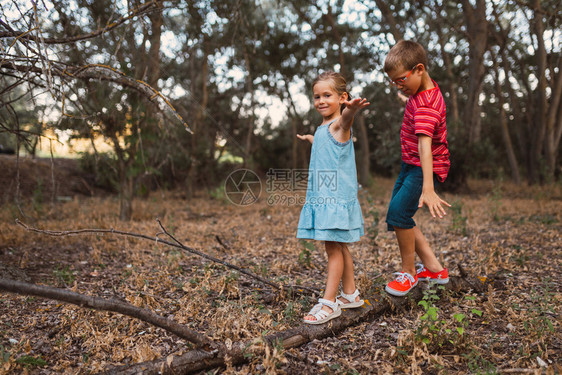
[[237, 76]]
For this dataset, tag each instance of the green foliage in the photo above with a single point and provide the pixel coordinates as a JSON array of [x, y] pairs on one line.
[[30, 361], [219, 194], [103, 167], [496, 201], [459, 220], [4, 354], [254, 63], [290, 313], [478, 364], [64, 276], [373, 214], [305, 256], [437, 331], [539, 311], [37, 196]]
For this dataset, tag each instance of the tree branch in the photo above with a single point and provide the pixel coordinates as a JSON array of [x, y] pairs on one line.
[[24, 35], [103, 73], [97, 303], [298, 289]]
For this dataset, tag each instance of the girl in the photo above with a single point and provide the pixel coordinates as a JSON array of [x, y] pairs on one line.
[[331, 212]]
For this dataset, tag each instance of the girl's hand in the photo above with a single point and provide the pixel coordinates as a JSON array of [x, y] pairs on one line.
[[356, 104], [351, 107], [306, 137]]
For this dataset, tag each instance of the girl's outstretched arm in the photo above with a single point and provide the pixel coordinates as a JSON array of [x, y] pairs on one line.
[[351, 108], [306, 137]]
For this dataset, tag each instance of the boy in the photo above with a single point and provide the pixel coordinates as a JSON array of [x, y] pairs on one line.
[[425, 156]]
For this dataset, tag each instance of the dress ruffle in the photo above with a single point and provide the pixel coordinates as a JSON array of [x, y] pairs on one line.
[[336, 235], [343, 216]]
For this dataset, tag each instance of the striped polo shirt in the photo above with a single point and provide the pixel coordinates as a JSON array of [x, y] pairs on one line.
[[425, 114]]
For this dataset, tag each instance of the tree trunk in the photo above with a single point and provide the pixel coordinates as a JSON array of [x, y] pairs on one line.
[[294, 147], [153, 60], [250, 133], [364, 152], [454, 111], [554, 123], [125, 192], [518, 120], [329, 17], [515, 176], [125, 181], [200, 110], [477, 27], [389, 20], [539, 130]]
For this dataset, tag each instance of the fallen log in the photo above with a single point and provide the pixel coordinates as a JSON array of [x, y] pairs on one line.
[[97, 303], [238, 353]]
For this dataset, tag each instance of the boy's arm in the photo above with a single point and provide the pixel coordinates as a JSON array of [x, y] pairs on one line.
[[428, 196]]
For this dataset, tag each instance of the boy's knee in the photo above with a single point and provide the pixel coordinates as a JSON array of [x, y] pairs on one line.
[[397, 217]]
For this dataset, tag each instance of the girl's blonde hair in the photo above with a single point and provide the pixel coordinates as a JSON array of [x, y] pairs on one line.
[[337, 81]]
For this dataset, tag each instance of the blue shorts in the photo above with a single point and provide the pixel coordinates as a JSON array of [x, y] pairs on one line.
[[405, 197]]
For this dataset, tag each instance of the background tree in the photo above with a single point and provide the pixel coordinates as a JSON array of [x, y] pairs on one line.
[[240, 74]]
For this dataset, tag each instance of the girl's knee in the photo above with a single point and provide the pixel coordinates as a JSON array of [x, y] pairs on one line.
[[333, 247]]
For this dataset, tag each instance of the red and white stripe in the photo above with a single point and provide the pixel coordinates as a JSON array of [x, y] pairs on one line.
[[425, 114]]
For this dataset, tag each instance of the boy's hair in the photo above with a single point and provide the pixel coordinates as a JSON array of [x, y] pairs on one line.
[[337, 81], [405, 54]]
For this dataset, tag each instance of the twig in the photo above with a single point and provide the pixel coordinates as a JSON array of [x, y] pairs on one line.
[[136, 12], [104, 73], [294, 288], [97, 303], [221, 242], [477, 287]]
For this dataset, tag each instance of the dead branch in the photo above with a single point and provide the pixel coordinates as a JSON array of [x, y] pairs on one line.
[[102, 73], [97, 303], [297, 289], [24, 35], [238, 353]]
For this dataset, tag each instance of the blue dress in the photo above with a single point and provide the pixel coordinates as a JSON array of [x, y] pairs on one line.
[[331, 211]]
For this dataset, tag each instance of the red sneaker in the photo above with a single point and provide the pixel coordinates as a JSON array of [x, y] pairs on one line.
[[402, 285], [441, 277]]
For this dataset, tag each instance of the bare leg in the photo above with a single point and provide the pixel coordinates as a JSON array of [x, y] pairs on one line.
[[407, 244], [348, 279], [425, 252], [335, 272]]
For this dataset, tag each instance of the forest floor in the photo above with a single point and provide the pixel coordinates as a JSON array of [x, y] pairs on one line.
[[499, 230]]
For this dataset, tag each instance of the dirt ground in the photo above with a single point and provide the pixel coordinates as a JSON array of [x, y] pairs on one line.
[[498, 230]]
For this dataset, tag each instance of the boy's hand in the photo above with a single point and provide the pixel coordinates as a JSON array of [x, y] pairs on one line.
[[306, 137], [434, 203]]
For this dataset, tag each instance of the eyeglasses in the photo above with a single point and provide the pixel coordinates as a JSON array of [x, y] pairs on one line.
[[401, 81]]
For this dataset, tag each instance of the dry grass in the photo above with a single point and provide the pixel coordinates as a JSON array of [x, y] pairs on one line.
[[511, 232]]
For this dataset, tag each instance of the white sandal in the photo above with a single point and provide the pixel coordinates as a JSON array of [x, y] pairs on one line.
[[351, 298], [322, 316]]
